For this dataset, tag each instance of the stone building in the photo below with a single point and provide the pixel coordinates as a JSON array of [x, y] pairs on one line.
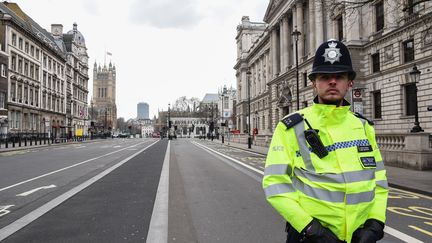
[[73, 45], [36, 99], [4, 60], [104, 106], [227, 104], [387, 39]]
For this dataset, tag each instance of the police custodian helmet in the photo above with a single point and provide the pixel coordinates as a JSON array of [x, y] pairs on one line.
[[332, 56]]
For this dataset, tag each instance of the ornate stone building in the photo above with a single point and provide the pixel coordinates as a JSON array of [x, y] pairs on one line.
[[104, 97], [386, 38], [36, 97], [73, 44]]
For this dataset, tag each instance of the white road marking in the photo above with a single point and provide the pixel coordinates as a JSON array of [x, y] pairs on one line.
[[225, 156], [35, 190], [400, 235], [158, 229], [65, 168], [389, 230], [30, 217], [117, 146], [4, 211]]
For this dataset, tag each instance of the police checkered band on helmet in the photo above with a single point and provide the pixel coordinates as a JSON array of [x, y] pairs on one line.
[[332, 56]]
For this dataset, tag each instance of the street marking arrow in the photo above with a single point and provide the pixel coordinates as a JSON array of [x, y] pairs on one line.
[[4, 211], [35, 190]]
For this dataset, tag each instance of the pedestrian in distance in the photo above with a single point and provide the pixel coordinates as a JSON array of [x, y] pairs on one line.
[[324, 173]]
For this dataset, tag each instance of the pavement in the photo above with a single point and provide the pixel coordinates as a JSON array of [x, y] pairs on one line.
[[401, 178]]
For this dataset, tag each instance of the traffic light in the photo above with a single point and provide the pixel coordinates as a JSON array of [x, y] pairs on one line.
[[169, 124]]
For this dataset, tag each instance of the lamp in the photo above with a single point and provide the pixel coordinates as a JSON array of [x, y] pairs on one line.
[[296, 34], [415, 78], [248, 74]]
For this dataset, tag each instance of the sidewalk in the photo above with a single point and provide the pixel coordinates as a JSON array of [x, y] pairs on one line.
[[411, 180], [28, 147]]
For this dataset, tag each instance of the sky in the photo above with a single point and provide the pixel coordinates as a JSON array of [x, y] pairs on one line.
[[162, 49]]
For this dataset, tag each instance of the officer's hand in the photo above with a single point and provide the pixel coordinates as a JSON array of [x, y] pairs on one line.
[[316, 233], [372, 231]]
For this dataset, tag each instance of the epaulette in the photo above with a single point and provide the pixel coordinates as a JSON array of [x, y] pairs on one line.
[[364, 118], [292, 120]]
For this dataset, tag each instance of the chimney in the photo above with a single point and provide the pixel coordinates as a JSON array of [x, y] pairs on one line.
[[57, 30]]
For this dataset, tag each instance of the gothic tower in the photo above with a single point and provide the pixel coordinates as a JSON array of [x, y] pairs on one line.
[[104, 97]]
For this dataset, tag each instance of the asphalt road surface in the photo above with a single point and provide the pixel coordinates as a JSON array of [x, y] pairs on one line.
[[138, 190]]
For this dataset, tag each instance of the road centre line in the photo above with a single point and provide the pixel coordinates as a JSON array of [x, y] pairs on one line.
[[30, 217], [158, 228], [65, 168], [389, 230]]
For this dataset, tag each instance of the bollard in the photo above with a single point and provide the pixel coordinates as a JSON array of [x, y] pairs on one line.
[[25, 141]]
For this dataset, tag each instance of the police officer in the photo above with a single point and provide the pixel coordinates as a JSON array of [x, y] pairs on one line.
[[324, 173]]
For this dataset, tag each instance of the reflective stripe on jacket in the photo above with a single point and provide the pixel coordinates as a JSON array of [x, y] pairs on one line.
[[338, 190]]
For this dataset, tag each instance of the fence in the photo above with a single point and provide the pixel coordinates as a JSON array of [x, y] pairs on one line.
[[12, 140]]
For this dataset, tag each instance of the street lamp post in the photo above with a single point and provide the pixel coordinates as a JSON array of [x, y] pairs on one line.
[[415, 77], [222, 116], [248, 74], [296, 34], [169, 122]]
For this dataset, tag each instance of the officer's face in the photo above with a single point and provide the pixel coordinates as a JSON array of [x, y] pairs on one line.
[[331, 88]]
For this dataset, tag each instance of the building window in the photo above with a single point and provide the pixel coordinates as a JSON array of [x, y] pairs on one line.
[[37, 53], [20, 65], [339, 22], [408, 50], [410, 99], [377, 104], [31, 96], [226, 104], [14, 38], [2, 100], [375, 62], [26, 94], [305, 79], [13, 62], [20, 43], [379, 15], [26, 47], [13, 91], [19, 93], [36, 97], [32, 50], [3, 70]]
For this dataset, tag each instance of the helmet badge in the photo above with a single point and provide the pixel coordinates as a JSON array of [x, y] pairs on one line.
[[332, 54]]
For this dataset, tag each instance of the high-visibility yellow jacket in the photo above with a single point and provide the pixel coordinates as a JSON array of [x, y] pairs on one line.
[[341, 190]]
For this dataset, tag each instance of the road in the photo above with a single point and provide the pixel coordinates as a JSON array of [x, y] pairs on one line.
[[133, 190]]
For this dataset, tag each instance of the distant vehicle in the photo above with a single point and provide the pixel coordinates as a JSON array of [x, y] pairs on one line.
[[123, 135], [156, 135]]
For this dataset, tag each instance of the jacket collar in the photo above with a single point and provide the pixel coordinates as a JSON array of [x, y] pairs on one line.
[[331, 114]]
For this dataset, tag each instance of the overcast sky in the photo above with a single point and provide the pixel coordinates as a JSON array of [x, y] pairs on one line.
[[162, 49]]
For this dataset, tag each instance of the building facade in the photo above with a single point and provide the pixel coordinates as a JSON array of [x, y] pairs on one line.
[[36, 97], [73, 44], [143, 110], [227, 104], [383, 55], [388, 39], [104, 106]]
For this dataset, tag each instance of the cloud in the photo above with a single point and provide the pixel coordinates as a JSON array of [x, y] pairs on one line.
[[91, 7], [165, 13]]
